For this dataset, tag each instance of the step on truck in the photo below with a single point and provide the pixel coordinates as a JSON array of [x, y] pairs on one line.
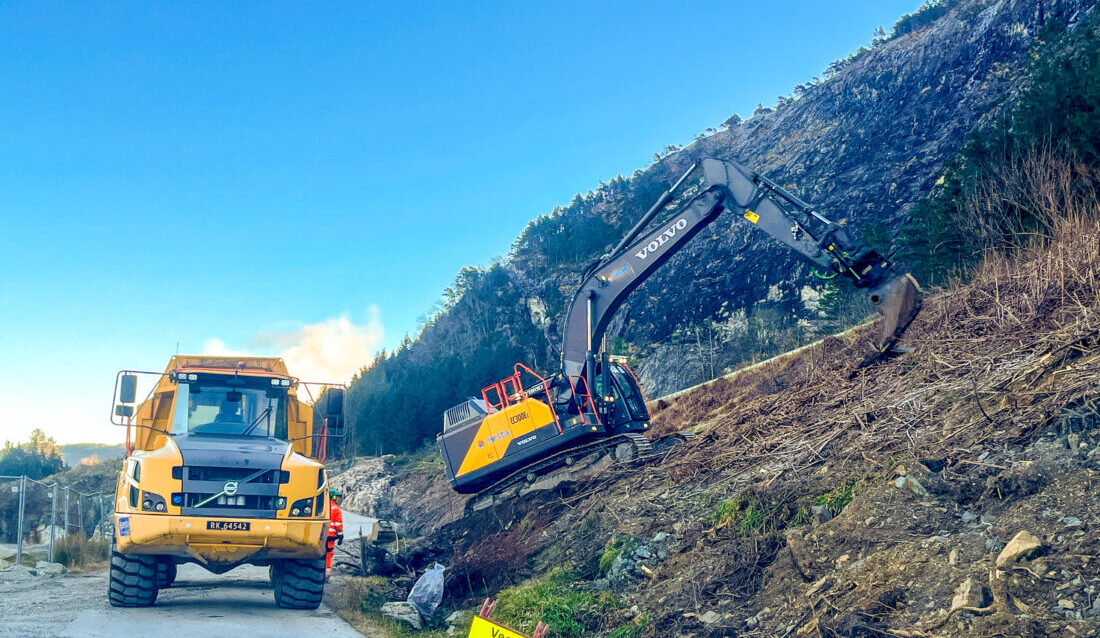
[[224, 467]]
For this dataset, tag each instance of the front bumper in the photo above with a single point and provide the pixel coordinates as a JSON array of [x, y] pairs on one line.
[[187, 538]]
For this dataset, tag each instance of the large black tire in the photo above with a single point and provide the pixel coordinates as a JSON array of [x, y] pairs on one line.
[[133, 580], [299, 584], [166, 573]]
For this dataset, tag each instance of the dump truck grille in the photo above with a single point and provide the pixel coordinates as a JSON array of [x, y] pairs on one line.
[[207, 473], [230, 491], [237, 502]]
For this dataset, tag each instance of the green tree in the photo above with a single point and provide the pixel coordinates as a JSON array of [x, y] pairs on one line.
[[37, 458]]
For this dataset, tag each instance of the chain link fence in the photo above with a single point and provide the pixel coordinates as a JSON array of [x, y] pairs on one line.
[[35, 516]]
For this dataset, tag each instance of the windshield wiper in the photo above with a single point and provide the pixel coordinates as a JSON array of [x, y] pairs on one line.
[[263, 415]]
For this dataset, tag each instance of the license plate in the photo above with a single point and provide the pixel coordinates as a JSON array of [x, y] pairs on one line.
[[234, 526]]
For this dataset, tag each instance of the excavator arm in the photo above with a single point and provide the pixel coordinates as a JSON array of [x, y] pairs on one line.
[[728, 186]]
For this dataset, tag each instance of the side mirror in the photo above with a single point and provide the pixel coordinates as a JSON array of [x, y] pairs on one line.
[[124, 411], [127, 389], [333, 410]]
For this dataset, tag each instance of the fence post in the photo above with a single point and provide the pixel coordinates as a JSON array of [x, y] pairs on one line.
[[66, 510], [79, 513], [19, 525], [53, 517]]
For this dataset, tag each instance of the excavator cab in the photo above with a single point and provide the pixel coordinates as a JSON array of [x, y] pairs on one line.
[[622, 405]]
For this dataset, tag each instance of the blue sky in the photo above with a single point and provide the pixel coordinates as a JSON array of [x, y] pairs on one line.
[[305, 178]]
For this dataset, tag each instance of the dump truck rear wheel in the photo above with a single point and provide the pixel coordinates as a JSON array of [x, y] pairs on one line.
[[166, 573], [299, 584], [133, 580]]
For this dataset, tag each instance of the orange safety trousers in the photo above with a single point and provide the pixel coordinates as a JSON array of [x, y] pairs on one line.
[[335, 528]]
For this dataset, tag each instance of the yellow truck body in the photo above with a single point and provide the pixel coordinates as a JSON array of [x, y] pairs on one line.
[[225, 467]]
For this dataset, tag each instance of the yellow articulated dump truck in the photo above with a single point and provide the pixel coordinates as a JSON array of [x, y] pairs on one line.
[[224, 467]]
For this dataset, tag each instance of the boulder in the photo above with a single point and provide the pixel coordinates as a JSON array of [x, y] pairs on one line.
[[1022, 545], [403, 612], [968, 594], [48, 569], [455, 622]]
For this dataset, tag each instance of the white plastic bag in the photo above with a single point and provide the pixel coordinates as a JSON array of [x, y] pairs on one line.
[[427, 593]]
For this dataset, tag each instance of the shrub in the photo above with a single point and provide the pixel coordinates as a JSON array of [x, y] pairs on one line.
[[77, 551]]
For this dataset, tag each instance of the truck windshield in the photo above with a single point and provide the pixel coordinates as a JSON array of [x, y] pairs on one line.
[[230, 411]]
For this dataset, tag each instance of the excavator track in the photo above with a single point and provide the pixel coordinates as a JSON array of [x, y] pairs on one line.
[[623, 449]]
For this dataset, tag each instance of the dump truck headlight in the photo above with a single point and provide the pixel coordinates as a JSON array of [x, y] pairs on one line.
[[152, 502], [302, 507], [280, 503]]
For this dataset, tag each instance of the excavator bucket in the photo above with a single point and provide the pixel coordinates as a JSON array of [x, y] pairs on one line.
[[899, 301]]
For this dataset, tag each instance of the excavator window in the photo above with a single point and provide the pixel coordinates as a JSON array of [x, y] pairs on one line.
[[629, 392]]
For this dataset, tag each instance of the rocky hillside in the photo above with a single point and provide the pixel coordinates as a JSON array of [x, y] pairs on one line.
[[863, 144], [950, 491]]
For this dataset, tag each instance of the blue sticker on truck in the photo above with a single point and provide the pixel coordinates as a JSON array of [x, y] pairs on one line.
[[124, 526]]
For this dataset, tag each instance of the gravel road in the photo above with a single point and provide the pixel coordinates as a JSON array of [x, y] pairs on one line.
[[200, 605]]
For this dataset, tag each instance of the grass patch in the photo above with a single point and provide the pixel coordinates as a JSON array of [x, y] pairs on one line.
[[76, 551], [633, 630], [837, 499], [28, 561], [555, 599], [614, 548], [746, 514], [359, 602]]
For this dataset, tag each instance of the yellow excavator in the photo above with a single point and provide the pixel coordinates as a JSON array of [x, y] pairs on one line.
[[526, 425], [224, 466]]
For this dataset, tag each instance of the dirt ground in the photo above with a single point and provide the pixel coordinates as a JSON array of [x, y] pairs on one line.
[[199, 605]]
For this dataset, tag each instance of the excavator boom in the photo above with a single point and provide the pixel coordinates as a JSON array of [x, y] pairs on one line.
[[728, 186]]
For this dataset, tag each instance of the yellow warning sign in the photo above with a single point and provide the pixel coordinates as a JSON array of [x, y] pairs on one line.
[[488, 629], [751, 216]]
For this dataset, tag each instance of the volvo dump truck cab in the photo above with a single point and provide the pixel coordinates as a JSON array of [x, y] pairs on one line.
[[224, 467]]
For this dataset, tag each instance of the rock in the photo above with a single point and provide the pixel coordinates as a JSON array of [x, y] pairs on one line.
[[455, 621], [1096, 607], [1022, 545], [988, 518], [660, 537], [1071, 521], [913, 485], [953, 557], [710, 617], [821, 514], [643, 551], [403, 612], [16, 573], [968, 594], [1066, 603], [49, 570], [968, 517]]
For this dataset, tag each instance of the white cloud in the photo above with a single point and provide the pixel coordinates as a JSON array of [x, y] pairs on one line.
[[332, 350]]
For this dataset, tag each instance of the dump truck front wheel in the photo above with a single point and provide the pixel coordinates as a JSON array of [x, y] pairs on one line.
[[166, 573], [299, 584], [133, 580]]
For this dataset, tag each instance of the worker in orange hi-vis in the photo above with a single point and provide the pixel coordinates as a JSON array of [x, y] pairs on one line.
[[335, 527]]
